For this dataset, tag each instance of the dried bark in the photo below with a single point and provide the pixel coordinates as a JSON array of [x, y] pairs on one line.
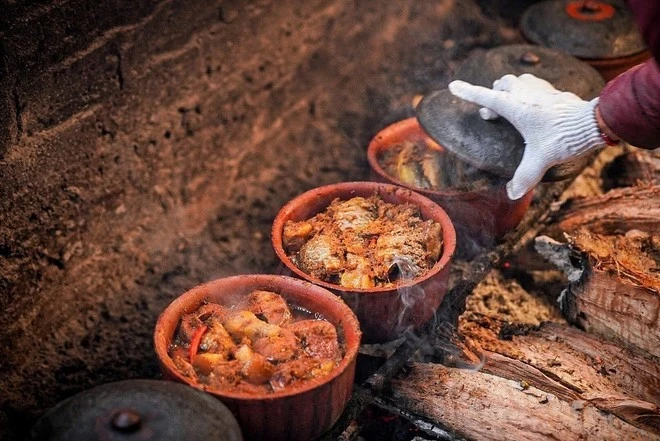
[[571, 365], [614, 287], [614, 212], [482, 406]]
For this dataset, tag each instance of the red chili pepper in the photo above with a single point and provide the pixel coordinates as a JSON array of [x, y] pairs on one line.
[[196, 339]]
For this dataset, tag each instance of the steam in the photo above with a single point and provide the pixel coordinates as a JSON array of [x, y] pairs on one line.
[[446, 344], [455, 351], [406, 269]]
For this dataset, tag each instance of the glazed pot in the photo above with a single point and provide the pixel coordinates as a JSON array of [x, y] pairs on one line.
[[300, 414], [385, 313], [480, 216]]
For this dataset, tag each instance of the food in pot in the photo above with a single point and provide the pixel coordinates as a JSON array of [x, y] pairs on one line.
[[259, 345], [422, 165], [364, 243]]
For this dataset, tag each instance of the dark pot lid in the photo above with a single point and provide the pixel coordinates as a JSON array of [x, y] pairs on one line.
[[564, 71], [590, 29], [496, 146], [145, 410]]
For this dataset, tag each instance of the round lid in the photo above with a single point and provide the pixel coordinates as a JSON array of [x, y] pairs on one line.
[[145, 410], [562, 70], [496, 146], [591, 29]]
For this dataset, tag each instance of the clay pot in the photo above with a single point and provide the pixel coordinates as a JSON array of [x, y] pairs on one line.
[[297, 415], [480, 216], [385, 313], [613, 67], [601, 33]]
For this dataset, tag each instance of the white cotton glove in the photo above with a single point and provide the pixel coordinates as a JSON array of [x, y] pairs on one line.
[[556, 126]]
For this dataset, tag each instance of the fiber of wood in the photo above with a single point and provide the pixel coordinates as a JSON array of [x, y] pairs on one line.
[[483, 406]]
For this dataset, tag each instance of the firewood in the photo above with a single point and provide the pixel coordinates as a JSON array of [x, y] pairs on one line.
[[614, 212], [478, 405], [614, 286], [570, 365], [635, 167]]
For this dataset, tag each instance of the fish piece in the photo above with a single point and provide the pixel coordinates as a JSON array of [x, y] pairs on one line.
[[408, 169], [255, 368], [355, 213], [303, 368], [277, 348], [241, 324], [432, 231], [271, 341], [431, 169], [295, 234], [358, 273], [190, 322], [268, 306], [205, 363], [318, 338], [398, 247], [322, 256], [217, 340]]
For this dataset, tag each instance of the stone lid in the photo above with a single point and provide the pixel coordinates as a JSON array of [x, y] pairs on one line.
[[496, 146], [146, 410], [562, 70], [589, 29]]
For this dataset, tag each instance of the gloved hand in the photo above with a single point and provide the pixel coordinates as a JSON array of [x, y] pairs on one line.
[[556, 126]]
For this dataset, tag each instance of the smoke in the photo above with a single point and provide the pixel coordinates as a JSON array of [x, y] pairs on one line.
[[406, 269], [453, 350]]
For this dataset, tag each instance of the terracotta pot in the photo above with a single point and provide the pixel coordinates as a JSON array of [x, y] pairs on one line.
[[300, 414], [382, 311], [480, 217], [601, 33], [613, 67]]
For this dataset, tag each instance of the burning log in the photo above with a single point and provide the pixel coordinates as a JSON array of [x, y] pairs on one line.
[[614, 285], [478, 405]]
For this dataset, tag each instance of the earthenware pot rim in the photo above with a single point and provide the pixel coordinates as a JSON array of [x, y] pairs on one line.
[[375, 147], [411, 196], [197, 295]]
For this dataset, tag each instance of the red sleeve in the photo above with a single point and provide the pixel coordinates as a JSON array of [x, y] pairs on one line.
[[630, 105]]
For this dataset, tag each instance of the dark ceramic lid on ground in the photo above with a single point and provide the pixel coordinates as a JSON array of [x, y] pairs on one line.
[[145, 410], [496, 146], [594, 29]]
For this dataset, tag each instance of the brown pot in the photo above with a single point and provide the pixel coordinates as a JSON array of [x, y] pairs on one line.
[[300, 414], [610, 68], [480, 217], [382, 311], [601, 33]]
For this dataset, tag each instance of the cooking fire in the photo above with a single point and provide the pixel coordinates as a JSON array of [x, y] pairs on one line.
[[330, 220]]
